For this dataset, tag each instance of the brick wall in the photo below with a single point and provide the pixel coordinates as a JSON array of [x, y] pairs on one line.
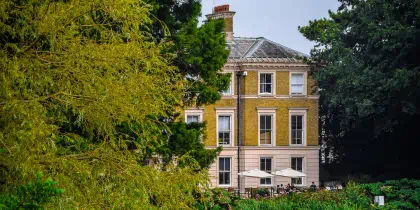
[[249, 112]]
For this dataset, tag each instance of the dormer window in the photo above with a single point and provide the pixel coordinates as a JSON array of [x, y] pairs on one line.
[[266, 83]]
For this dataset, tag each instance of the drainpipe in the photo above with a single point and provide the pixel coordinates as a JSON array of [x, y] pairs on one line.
[[239, 74]]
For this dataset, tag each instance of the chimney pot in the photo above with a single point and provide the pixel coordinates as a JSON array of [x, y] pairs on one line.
[[221, 8]]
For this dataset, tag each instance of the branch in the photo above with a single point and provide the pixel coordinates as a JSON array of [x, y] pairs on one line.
[[32, 44], [2, 103], [5, 147]]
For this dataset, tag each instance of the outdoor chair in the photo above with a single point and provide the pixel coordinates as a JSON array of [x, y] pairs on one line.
[[253, 192], [248, 191]]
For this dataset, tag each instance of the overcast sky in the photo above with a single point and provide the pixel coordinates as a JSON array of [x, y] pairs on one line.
[[277, 20]]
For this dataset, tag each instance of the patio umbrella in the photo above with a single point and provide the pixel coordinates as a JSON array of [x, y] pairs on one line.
[[288, 172], [256, 173]]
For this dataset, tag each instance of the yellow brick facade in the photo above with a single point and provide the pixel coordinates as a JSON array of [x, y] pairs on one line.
[[250, 101]]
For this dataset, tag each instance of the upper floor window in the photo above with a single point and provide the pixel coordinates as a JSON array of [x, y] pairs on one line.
[[193, 119], [297, 129], [224, 170], [297, 84], [297, 164], [224, 129], [266, 165], [266, 83], [266, 129], [229, 91], [297, 126], [193, 115]]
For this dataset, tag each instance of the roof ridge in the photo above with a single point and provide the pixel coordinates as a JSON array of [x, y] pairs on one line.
[[243, 37]]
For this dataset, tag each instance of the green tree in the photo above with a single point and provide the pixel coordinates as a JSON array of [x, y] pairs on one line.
[[71, 73], [200, 51], [366, 65], [186, 139]]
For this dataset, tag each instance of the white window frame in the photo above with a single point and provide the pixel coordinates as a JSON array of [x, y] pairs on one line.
[[231, 84], [298, 112], [271, 112], [305, 77], [273, 83], [303, 168], [218, 172], [198, 113], [230, 113], [272, 170]]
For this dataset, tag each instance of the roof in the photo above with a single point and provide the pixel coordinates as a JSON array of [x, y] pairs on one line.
[[261, 50]]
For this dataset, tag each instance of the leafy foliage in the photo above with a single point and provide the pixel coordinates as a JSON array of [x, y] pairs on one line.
[[217, 199], [366, 65], [402, 194], [71, 74], [187, 139], [201, 51], [32, 195]]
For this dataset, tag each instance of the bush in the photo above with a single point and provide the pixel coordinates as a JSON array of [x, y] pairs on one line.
[[217, 198], [263, 192], [32, 195], [401, 194], [296, 201]]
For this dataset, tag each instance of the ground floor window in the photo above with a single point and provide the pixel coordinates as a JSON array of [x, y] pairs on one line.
[[265, 165], [297, 164], [224, 171]]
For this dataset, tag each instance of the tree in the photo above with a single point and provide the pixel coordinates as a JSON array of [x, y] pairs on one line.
[[71, 73], [366, 65], [201, 52], [186, 139]]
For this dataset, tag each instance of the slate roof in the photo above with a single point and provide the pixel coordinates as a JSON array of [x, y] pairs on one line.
[[260, 50]]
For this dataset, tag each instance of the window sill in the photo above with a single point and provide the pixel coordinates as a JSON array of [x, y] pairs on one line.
[[297, 95], [227, 94], [297, 145], [266, 95], [266, 145]]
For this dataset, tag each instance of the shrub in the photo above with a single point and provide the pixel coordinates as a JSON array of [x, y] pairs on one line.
[[403, 194], [217, 198], [296, 201], [399, 194], [32, 195], [263, 192]]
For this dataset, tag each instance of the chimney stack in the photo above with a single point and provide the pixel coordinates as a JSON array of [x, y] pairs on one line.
[[220, 12]]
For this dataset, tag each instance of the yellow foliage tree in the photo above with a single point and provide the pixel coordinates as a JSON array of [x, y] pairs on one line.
[[70, 73]]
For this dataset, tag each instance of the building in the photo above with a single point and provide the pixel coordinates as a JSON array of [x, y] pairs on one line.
[[278, 114]]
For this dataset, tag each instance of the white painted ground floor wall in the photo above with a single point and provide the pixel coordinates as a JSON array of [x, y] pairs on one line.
[[281, 158]]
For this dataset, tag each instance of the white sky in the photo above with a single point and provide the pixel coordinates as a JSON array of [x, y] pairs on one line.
[[276, 20]]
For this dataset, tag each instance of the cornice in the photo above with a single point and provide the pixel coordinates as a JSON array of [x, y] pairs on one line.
[[235, 148], [219, 15], [265, 63]]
